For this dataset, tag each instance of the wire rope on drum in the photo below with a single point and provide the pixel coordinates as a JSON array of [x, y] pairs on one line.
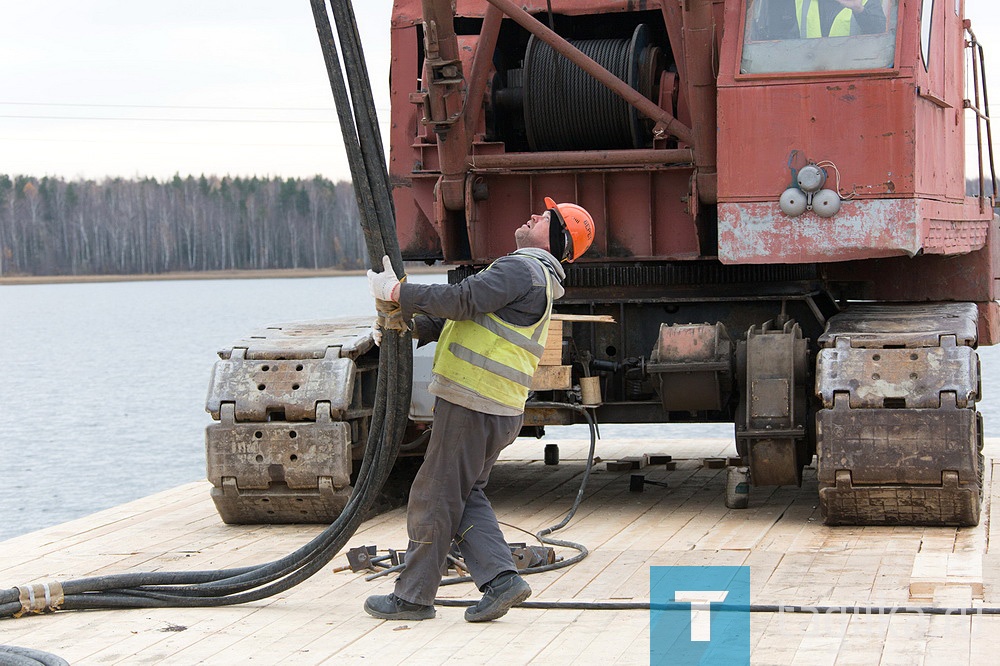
[[565, 108]]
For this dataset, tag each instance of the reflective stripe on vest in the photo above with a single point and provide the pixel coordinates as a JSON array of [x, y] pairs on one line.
[[809, 26], [492, 357]]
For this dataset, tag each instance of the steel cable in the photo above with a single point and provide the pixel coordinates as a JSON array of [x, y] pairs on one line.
[[567, 109]]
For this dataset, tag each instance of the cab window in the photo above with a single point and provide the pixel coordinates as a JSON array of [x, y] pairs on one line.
[[818, 35]]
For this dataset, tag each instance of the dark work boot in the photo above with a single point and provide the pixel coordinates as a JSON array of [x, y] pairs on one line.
[[391, 607], [500, 594]]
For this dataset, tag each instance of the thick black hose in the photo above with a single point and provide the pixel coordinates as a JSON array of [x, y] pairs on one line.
[[11, 655], [389, 420]]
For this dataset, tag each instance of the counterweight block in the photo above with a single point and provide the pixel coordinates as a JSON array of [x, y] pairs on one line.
[[899, 466], [899, 441], [279, 472]]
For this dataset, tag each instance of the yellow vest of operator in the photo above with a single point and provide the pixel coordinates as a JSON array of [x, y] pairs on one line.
[[494, 358], [841, 26]]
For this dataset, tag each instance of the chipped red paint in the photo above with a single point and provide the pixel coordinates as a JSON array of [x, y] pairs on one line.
[[751, 233]]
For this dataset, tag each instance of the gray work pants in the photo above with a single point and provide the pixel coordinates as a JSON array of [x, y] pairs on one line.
[[447, 501]]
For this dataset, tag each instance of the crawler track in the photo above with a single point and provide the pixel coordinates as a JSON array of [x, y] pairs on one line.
[[899, 440]]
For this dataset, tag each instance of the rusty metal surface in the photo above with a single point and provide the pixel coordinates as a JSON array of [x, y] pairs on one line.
[[691, 365], [259, 455], [306, 339], [775, 462], [965, 277], [290, 401], [543, 416], [580, 159], [864, 229], [923, 325], [948, 504], [899, 440], [279, 504], [913, 378], [772, 370], [294, 388], [533, 556], [897, 446], [638, 213]]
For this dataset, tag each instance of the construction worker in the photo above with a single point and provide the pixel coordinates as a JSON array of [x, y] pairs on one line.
[[491, 331], [803, 19], [839, 18]]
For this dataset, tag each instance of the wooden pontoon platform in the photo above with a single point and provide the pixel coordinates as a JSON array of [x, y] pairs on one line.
[[794, 559]]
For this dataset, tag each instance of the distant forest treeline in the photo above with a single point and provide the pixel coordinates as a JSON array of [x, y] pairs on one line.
[[49, 226]]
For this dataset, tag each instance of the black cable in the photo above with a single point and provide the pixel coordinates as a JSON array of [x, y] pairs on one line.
[[11, 655], [389, 418], [733, 608]]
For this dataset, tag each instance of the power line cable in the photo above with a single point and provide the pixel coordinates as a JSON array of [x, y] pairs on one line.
[[324, 109], [174, 120], [317, 109]]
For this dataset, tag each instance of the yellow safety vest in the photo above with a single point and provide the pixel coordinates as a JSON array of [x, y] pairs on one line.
[[494, 358], [841, 26]]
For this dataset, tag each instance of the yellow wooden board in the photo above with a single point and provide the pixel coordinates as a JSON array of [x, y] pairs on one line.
[[552, 377]]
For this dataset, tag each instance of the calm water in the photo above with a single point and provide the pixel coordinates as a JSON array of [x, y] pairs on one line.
[[103, 386]]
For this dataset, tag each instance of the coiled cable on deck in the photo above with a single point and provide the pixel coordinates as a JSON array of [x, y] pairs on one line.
[[233, 586], [11, 655]]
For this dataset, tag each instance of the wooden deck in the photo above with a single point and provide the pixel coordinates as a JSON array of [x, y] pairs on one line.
[[794, 559]]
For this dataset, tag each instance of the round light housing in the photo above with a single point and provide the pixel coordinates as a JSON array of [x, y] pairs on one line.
[[793, 202], [811, 178], [826, 203]]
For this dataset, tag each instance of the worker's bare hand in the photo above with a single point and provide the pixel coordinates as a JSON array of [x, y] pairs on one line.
[[384, 286]]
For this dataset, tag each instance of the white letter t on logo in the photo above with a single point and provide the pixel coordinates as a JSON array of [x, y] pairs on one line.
[[701, 616]]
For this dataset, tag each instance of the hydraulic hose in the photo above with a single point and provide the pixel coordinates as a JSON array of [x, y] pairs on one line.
[[363, 143], [11, 655]]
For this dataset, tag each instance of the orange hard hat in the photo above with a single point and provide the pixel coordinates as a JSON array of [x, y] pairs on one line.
[[574, 233]]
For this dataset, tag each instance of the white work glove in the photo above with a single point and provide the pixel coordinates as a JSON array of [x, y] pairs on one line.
[[384, 286], [377, 333]]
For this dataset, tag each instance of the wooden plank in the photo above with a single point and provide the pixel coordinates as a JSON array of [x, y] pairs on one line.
[[992, 497], [552, 377], [552, 354], [905, 640], [948, 639], [933, 571], [778, 645], [862, 642], [597, 319], [822, 640]]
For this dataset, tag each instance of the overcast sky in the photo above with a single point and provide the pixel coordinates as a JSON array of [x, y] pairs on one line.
[[91, 88], [95, 88]]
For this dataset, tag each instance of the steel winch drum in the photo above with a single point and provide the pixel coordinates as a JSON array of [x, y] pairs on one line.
[[567, 109]]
